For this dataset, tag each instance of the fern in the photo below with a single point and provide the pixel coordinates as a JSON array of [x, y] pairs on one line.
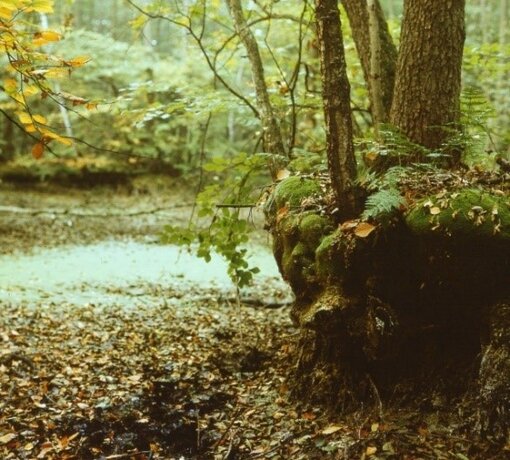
[[475, 137], [383, 204]]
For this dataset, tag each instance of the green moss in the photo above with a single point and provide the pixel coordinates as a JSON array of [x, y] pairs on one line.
[[292, 191], [299, 251], [288, 226], [327, 256], [298, 268], [469, 213], [312, 228]]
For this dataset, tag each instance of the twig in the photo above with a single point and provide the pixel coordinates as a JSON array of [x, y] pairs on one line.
[[231, 444], [132, 454], [67, 212], [377, 396], [233, 205], [235, 417]]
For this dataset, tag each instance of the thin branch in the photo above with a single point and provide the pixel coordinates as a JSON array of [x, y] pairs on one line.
[[22, 128], [201, 169], [198, 40]]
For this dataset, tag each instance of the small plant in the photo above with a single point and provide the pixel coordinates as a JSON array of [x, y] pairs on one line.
[[221, 226]]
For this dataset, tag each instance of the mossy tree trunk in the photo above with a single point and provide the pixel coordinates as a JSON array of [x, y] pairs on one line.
[[357, 13], [426, 100], [272, 137], [337, 108]]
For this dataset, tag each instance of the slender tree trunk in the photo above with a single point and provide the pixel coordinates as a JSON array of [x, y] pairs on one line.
[[272, 136], [485, 21], [379, 114], [337, 109], [66, 120], [426, 101], [357, 13]]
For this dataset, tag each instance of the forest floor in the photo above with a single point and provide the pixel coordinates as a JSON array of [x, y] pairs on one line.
[[164, 368]]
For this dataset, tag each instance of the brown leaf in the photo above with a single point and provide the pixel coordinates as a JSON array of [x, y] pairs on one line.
[[349, 225], [282, 174], [38, 150], [281, 213], [364, 229]]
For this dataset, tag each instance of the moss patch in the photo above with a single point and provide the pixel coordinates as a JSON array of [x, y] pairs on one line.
[[470, 213], [313, 228], [291, 192]]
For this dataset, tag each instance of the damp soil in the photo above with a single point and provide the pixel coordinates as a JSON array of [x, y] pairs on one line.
[[114, 346]]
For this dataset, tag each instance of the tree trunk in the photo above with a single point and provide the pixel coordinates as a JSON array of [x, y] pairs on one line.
[[272, 136], [426, 101], [379, 114], [357, 13], [337, 109]]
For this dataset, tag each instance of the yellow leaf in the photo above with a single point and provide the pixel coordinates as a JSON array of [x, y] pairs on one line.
[[77, 61], [10, 5], [30, 128], [42, 6], [30, 90], [40, 119], [331, 429], [45, 37], [18, 98], [38, 150], [6, 438], [371, 451], [139, 22], [56, 72], [25, 118], [50, 135], [5, 13], [434, 210], [10, 85], [364, 229]]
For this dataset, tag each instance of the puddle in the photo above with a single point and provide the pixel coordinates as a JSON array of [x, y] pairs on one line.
[[82, 273]]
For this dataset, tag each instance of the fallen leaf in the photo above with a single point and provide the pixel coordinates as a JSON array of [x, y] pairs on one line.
[[434, 210], [364, 229], [282, 174], [371, 451], [349, 225], [331, 429], [7, 438]]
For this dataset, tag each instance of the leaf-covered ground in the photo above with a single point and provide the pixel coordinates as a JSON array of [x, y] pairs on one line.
[[178, 371]]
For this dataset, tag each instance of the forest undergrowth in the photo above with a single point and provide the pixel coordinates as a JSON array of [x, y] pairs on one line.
[[180, 372]]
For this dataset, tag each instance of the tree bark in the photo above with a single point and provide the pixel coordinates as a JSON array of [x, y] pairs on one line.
[[379, 114], [357, 13], [337, 109], [272, 137], [426, 101]]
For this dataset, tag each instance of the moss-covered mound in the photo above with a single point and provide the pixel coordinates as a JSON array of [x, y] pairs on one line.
[[399, 299], [469, 213]]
